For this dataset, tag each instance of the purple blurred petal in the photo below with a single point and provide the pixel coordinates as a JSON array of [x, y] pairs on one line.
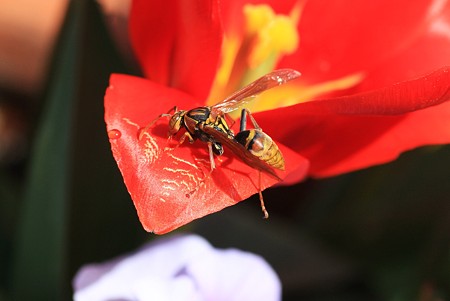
[[179, 268], [232, 275]]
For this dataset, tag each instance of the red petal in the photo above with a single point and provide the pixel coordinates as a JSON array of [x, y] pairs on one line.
[[339, 38], [348, 133], [177, 43], [426, 53], [171, 187]]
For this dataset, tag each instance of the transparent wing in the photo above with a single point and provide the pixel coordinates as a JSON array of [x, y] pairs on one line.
[[266, 82], [240, 151]]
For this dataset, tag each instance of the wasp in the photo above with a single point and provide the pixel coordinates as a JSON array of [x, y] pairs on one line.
[[253, 147], [210, 124]]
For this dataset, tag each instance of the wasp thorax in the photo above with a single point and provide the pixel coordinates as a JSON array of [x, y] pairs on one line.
[[176, 122]]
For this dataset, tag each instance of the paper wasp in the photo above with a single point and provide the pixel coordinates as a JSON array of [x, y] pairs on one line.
[[253, 147], [210, 125]]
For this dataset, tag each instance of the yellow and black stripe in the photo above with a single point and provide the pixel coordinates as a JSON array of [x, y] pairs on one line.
[[262, 146]]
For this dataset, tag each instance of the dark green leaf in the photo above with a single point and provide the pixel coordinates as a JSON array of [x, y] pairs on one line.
[[41, 241], [75, 203]]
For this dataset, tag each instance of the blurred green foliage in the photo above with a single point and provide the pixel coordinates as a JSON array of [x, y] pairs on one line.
[[376, 234]]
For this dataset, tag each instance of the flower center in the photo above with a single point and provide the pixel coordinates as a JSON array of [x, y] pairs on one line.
[[256, 51], [246, 56], [273, 35]]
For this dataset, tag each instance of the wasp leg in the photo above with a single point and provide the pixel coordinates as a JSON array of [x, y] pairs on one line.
[[230, 121], [243, 124], [211, 156], [201, 126], [183, 138], [261, 199], [145, 129]]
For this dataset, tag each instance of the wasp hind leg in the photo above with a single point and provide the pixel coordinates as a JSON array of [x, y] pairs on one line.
[[261, 199], [242, 127], [145, 129], [243, 124]]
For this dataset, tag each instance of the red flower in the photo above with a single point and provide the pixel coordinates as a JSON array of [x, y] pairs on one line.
[[373, 84]]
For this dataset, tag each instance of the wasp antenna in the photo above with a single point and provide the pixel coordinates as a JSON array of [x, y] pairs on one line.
[[261, 199], [145, 129]]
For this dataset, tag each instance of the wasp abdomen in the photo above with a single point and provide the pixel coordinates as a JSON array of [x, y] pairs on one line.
[[262, 146]]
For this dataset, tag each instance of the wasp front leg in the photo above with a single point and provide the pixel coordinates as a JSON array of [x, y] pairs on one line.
[[183, 138]]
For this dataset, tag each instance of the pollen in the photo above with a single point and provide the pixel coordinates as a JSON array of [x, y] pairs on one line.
[[282, 32]]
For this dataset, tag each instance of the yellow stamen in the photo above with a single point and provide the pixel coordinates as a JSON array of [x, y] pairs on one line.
[[278, 38], [272, 36], [230, 48], [257, 17]]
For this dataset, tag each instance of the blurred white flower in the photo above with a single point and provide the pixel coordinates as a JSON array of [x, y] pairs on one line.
[[179, 268]]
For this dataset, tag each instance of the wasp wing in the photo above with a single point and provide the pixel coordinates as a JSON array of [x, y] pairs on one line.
[[266, 82], [240, 151]]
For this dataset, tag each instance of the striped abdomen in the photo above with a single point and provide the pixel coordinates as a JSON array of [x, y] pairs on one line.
[[262, 146]]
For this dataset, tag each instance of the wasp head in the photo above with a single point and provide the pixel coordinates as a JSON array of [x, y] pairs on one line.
[[176, 122]]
